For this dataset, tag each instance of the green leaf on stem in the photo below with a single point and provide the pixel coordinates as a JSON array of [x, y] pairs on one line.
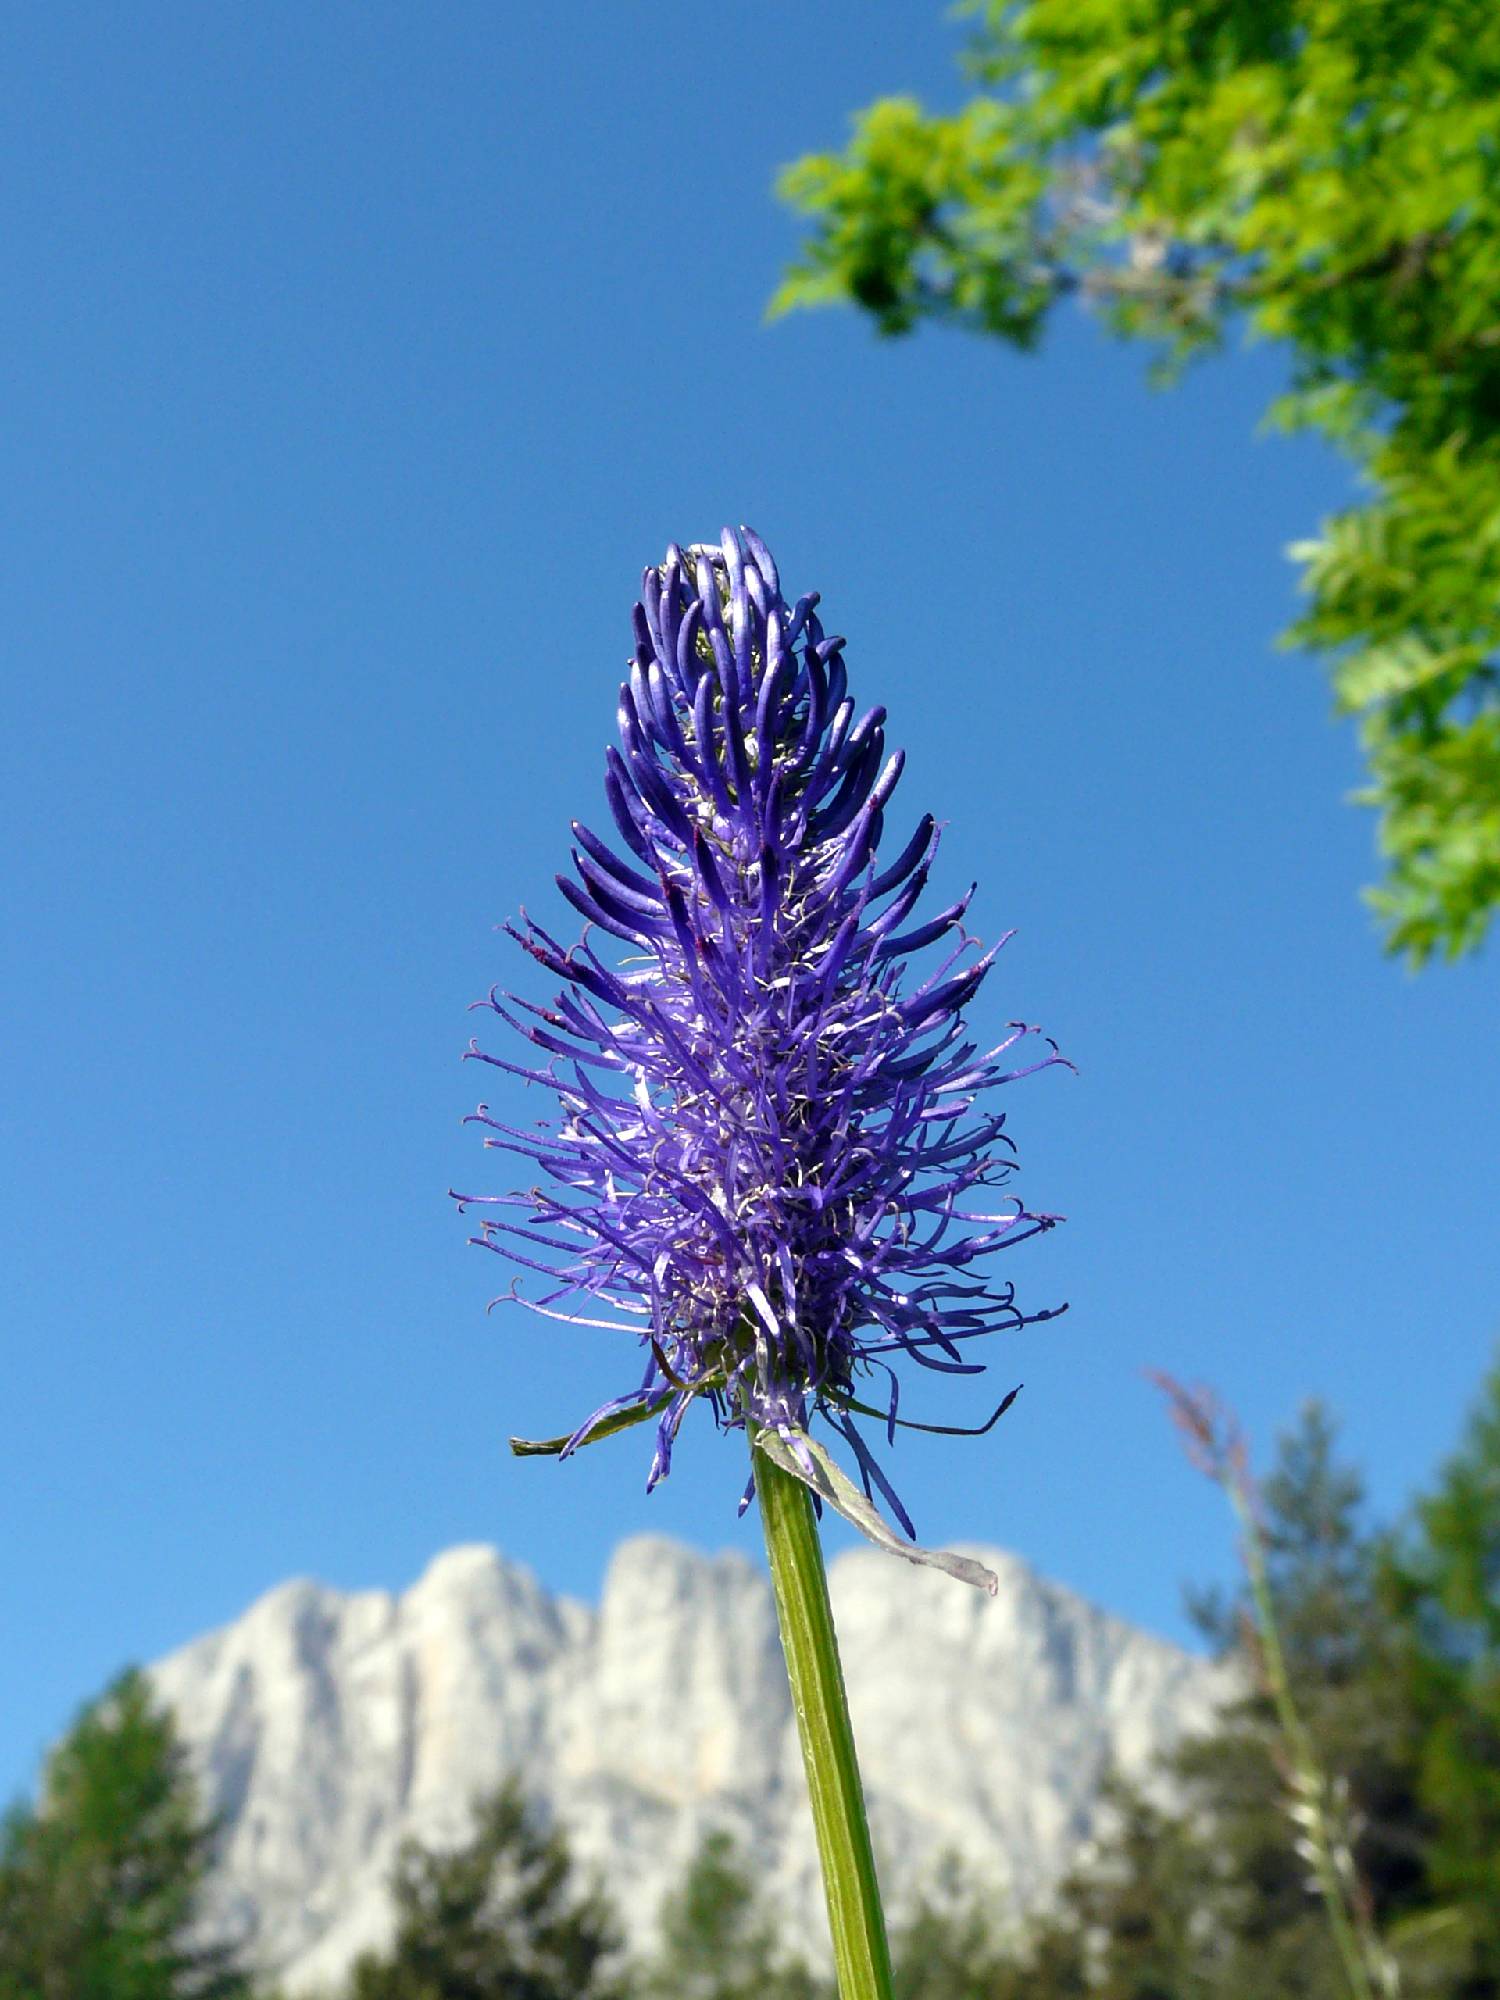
[[620, 1420]]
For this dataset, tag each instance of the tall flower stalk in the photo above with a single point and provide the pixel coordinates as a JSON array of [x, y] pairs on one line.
[[1315, 1804], [775, 1169], [804, 1617]]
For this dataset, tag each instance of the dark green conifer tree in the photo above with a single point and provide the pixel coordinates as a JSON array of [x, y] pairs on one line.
[[1259, 1898], [718, 1940], [1132, 1915], [499, 1918], [955, 1945], [100, 1880], [1442, 1582]]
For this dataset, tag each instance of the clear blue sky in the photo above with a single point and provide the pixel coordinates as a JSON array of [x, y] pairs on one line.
[[356, 359]]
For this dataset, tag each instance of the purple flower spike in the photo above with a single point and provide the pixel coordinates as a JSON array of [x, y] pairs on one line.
[[772, 1155]]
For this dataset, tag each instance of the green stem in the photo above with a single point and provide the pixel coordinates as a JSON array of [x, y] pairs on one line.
[[861, 1955]]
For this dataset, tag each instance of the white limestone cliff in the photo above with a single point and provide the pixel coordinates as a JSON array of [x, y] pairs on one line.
[[325, 1727]]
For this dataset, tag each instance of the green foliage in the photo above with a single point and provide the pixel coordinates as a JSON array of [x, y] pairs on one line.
[[99, 1882], [1393, 1670], [952, 1946], [498, 1918], [1392, 1651], [1311, 1770], [718, 1942], [1130, 1926], [1325, 172], [1443, 1585]]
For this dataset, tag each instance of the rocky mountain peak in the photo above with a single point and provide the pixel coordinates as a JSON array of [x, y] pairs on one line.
[[326, 1725]]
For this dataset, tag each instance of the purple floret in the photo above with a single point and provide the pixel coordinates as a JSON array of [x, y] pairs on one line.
[[773, 1152]]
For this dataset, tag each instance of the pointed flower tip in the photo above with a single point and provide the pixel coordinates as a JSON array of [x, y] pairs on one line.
[[768, 1121]]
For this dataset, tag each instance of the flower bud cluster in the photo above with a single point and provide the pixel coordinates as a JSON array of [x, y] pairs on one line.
[[774, 1159]]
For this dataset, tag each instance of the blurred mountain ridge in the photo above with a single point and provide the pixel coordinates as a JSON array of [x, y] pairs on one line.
[[325, 1726]]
